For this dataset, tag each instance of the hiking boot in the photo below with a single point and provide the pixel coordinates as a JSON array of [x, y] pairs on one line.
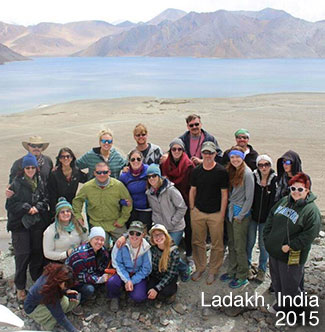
[[115, 304], [237, 283], [210, 279], [171, 299], [226, 277], [260, 276], [186, 276], [78, 311], [196, 276]]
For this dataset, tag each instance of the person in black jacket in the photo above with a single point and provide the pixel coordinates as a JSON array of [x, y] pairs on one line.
[[65, 179], [27, 220], [264, 193]]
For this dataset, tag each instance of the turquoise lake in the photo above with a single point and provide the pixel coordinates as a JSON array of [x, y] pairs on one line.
[[46, 81]]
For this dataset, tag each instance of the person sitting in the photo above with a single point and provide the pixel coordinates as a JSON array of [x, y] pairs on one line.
[[65, 234], [133, 265], [162, 283], [50, 298], [89, 262]]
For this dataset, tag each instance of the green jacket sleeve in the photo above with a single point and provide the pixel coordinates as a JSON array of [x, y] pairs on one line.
[[78, 202]]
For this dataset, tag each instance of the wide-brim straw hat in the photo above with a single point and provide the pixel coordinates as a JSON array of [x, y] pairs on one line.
[[35, 140]]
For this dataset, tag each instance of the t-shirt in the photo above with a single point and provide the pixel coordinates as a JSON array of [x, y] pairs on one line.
[[208, 187], [196, 145]]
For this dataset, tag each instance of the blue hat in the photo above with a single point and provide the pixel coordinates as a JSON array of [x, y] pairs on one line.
[[154, 169], [29, 160]]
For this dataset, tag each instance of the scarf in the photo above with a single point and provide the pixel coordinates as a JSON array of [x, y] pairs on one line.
[[32, 182], [69, 228], [136, 172]]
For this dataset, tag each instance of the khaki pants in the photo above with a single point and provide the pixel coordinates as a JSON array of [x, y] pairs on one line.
[[202, 222], [43, 316], [237, 241]]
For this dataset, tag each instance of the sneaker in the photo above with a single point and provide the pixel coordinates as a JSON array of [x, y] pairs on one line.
[[190, 261], [115, 304], [251, 274], [271, 308], [260, 276], [186, 276], [271, 289], [226, 277], [78, 311], [210, 279], [196, 276], [236, 283]]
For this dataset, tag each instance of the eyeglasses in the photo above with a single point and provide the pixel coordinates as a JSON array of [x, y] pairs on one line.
[[135, 233], [30, 167], [140, 135], [108, 141], [65, 157], [101, 172], [34, 146], [286, 162], [156, 236], [196, 124], [292, 188], [152, 176], [242, 137], [176, 149], [65, 211], [207, 152], [266, 165], [135, 159]]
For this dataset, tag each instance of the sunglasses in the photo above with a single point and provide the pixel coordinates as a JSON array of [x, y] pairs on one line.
[[242, 137], [65, 157], [34, 146], [152, 176], [266, 165], [135, 233], [293, 189], [101, 172], [207, 152], [135, 159], [30, 167], [176, 149], [108, 141], [196, 124], [65, 211], [286, 162], [140, 135]]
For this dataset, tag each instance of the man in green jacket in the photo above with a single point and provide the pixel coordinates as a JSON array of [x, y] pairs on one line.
[[103, 195]]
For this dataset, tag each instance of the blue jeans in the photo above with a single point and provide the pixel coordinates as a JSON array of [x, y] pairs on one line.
[[251, 238], [86, 291], [177, 237]]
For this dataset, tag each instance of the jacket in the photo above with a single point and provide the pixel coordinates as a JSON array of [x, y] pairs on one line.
[[283, 178], [293, 223], [168, 207], [87, 266], [250, 158], [127, 267], [89, 160], [152, 154], [207, 138], [58, 186], [103, 204], [20, 203], [136, 186], [263, 196]]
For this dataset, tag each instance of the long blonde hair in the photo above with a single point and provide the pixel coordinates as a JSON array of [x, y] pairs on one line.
[[163, 262], [236, 175]]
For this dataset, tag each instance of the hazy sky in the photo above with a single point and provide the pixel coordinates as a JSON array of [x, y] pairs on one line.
[[28, 12]]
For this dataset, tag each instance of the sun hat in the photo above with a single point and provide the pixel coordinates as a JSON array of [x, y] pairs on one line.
[[35, 140]]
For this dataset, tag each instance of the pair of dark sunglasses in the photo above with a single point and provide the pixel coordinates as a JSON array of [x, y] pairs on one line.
[[34, 146], [30, 167], [101, 172], [135, 159], [135, 233], [196, 124]]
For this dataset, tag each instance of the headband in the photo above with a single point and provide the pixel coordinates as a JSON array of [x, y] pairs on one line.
[[236, 153]]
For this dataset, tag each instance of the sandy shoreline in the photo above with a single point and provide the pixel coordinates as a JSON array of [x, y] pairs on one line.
[[277, 123]]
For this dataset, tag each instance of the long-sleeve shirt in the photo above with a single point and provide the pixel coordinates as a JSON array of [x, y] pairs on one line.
[[34, 298]]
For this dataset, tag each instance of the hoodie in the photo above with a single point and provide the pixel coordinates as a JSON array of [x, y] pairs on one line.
[[295, 223]]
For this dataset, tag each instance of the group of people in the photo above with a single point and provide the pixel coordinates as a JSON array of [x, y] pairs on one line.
[[123, 228]]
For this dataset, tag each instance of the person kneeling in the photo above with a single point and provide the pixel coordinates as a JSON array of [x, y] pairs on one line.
[[50, 298], [133, 265]]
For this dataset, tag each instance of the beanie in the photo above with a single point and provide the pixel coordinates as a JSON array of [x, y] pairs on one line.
[[264, 157], [96, 231], [29, 160], [154, 169], [177, 141], [62, 202]]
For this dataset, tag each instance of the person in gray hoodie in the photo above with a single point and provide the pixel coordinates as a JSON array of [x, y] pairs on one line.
[[241, 195]]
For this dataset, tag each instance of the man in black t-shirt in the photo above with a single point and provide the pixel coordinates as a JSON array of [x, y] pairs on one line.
[[208, 202]]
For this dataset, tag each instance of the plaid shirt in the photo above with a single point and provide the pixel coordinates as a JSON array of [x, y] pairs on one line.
[[172, 269]]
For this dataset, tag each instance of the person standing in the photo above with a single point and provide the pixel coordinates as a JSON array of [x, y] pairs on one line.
[[208, 202], [194, 137]]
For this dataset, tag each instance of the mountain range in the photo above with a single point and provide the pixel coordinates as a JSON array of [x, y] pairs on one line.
[[267, 33]]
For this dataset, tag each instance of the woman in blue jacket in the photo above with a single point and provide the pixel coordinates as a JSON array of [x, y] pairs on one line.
[[135, 180]]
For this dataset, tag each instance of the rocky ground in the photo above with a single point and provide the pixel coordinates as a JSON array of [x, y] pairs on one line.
[[187, 313]]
